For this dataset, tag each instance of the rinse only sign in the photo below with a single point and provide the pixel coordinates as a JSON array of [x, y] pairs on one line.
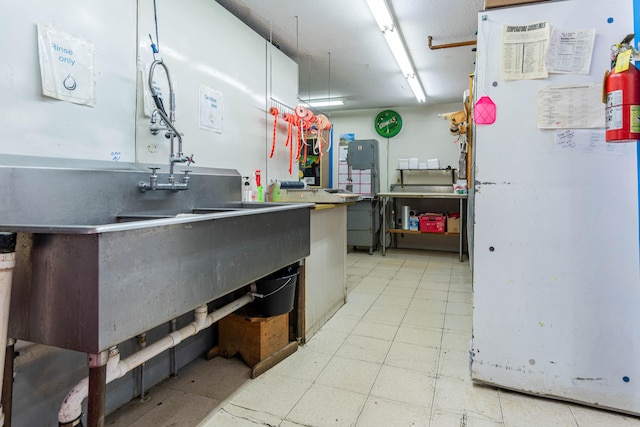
[[65, 55], [67, 66]]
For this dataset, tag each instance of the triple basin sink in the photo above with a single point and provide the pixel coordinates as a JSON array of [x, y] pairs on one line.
[[98, 262]]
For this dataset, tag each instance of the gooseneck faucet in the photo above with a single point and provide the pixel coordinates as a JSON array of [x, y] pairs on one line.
[[172, 132]]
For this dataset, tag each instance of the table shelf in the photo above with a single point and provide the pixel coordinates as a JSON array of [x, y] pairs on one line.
[[392, 197], [401, 231], [450, 172]]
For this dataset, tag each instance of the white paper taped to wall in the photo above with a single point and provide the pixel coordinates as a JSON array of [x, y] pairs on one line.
[[523, 49], [211, 107], [570, 51], [67, 66], [570, 106], [586, 141]]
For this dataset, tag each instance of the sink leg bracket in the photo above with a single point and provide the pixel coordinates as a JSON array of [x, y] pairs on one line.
[[97, 388]]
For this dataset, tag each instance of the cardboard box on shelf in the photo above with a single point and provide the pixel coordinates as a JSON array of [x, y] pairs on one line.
[[490, 4], [453, 223], [432, 223]]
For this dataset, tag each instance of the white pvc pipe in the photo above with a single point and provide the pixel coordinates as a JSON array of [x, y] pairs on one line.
[[71, 408], [7, 263]]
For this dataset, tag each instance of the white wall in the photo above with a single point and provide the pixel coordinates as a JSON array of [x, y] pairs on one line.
[[203, 44], [33, 124], [424, 135], [200, 42]]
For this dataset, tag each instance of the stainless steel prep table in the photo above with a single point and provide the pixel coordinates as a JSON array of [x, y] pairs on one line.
[[385, 197]]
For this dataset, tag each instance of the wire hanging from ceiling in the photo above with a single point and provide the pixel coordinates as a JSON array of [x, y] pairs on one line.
[[270, 60], [329, 78], [328, 139], [155, 47]]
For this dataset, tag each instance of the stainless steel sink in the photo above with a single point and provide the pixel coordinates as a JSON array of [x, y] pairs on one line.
[[98, 262]]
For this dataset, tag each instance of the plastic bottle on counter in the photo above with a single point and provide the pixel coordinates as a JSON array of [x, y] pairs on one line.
[[257, 193], [246, 189], [275, 192]]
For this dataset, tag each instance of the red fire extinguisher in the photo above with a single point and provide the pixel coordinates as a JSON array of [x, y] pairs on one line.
[[622, 88]]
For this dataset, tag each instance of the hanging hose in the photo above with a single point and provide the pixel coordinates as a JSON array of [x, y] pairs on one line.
[[275, 113], [299, 139], [290, 140], [301, 114], [304, 160], [289, 118]]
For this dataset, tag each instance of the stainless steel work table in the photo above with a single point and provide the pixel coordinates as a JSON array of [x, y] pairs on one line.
[[385, 197]]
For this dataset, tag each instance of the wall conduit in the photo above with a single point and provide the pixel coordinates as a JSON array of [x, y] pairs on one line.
[[71, 409], [449, 45], [7, 264]]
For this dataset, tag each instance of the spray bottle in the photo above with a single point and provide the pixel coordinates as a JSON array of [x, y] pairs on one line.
[[258, 190]]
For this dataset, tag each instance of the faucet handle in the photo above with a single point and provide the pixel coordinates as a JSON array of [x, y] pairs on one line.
[[153, 169], [190, 160], [186, 172]]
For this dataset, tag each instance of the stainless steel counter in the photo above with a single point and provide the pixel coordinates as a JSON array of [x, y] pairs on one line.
[[99, 262]]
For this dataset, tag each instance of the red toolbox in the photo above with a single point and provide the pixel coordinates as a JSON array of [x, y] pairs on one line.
[[432, 223]]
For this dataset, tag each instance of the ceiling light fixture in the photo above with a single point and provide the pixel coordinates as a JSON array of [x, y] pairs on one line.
[[325, 102], [391, 33]]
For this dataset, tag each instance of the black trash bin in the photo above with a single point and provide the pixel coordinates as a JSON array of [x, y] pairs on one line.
[[276, 292]]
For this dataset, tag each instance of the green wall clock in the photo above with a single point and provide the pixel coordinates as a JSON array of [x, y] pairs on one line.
[[388, 123]]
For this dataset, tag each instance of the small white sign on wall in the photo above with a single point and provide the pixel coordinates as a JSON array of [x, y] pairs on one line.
[[211, 106], [67, 66]]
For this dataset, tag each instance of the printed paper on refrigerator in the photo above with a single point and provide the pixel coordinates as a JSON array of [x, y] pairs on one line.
[[570, 52], [523, 50]]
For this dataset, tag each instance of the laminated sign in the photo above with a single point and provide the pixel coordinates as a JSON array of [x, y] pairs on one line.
[[211, 103], [67, 66]]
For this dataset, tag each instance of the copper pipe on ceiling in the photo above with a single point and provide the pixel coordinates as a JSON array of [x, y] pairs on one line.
[[448, 45]]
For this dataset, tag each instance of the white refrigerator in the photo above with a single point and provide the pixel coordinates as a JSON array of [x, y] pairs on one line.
[[556, 270]]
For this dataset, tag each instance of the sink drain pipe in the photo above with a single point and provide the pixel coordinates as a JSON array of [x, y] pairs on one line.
[[7, 264], [172, 353], [142, 342], [71, 410]]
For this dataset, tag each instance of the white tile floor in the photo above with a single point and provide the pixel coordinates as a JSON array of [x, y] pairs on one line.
[[397, 354]]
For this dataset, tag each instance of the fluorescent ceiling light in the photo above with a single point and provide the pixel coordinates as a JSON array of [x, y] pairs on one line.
[[416, 87], [381, 14], [391, 33], [397, 49], [326, 103]]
